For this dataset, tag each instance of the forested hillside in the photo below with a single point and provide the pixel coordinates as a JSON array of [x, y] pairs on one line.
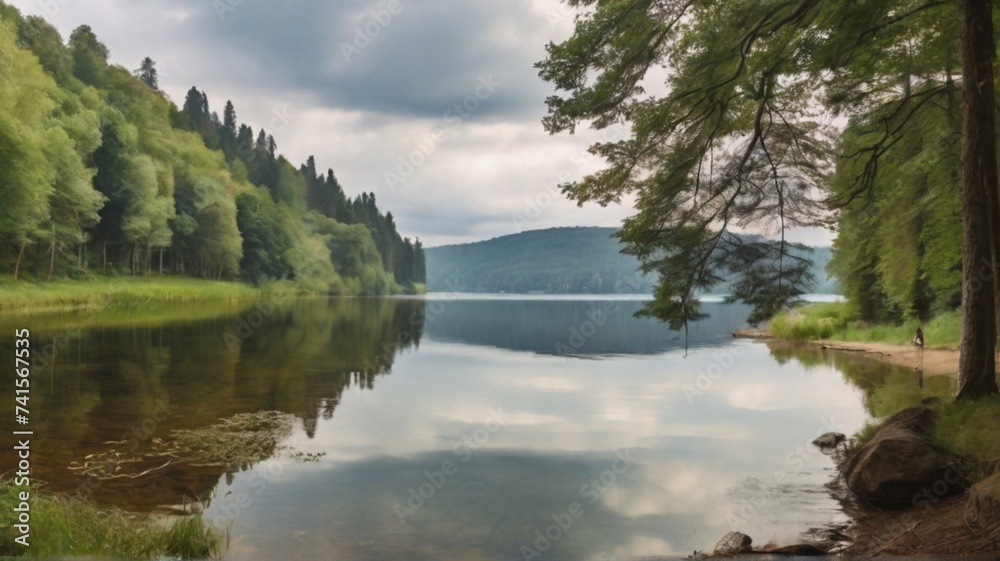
[[561, 261], [103, 174]]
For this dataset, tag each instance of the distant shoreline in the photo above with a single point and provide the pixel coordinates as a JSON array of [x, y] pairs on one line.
[[706, 299]]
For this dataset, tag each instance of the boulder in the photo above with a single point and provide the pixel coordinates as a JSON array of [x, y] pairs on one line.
[[900, 463], [829, 440], [733, 543]]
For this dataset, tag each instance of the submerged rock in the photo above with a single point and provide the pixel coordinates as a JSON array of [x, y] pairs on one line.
[[733, 543], [900, 463]]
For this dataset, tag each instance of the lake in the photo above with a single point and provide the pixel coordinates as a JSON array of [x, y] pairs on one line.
[[460, 427]]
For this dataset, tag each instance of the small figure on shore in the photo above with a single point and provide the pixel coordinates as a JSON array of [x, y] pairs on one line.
[[918, 339]]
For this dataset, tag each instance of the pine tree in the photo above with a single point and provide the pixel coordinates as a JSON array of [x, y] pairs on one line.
[[147, 73]]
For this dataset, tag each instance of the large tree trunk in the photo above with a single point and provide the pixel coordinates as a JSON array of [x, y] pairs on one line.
[[977, 364]]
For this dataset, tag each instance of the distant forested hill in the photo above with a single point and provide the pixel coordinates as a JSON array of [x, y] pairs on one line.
[[556, 261]]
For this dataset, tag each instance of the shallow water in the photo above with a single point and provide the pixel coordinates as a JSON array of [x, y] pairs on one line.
[[466, 429]]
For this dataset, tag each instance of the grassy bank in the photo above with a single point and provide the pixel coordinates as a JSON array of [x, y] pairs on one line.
[[838, 321], [98, 293], [65, 527], [969, 430]]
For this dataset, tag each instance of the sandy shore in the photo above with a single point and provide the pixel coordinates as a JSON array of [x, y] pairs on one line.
[[933, 360]]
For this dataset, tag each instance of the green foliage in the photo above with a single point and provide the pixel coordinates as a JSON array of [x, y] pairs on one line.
[[732, 142], [842, 321], [101, 171], [794, 326], [67, 527], [899, 249], [265, 238], [734, 138], [90, 56]]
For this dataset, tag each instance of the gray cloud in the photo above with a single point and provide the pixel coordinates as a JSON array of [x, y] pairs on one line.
[[359, 56]]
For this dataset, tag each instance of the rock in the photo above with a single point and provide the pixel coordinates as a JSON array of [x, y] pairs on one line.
[[982, 509], [900, 462], [733, 543], [829, 440]]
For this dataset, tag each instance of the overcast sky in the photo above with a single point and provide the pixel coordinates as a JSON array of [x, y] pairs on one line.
[[365, 85]]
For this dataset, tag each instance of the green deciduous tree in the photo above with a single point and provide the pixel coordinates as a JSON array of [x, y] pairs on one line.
[[90, 56], [44, 135], [147, 213], [726, 103], [266, 240]]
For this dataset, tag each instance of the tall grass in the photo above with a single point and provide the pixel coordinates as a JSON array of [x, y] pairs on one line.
[[67, 527], [839, 321], [815, 321], [61, 295]]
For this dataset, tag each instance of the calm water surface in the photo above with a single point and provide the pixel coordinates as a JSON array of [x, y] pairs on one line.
[[464, 428]]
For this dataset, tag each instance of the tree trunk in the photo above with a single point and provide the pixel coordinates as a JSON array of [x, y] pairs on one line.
[[104, 256], [20, 255], [52, 260], [977, 363]]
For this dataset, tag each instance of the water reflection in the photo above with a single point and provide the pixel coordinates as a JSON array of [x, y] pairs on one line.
[[885, 388], [703, 465], [110, 381], [485, 434], [573, 327]]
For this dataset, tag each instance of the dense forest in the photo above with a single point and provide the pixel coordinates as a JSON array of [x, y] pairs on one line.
[[103, 174], [577, 260], [899, 243]]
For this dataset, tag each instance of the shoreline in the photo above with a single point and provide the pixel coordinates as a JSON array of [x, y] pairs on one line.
[[933, 361], [874, 531], [24, 298]]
